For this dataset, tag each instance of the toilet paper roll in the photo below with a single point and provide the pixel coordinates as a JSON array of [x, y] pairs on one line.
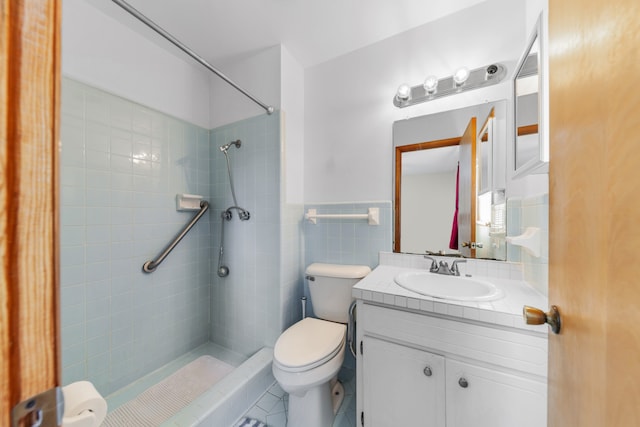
[[83, 405]]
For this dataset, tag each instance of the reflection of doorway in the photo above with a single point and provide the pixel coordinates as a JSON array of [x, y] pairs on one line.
[[417, 202], [467, 191], [409, 138], [434, 216]]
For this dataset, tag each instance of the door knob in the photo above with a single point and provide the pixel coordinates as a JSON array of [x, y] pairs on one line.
[[535, 316]]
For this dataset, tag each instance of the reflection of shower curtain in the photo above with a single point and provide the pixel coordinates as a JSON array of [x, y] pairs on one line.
[[453, 242]]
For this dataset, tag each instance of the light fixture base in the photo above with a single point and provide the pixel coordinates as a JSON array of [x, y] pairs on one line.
[[478, 77]]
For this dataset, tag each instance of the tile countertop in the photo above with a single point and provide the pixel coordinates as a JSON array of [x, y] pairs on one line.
[[379, 287]]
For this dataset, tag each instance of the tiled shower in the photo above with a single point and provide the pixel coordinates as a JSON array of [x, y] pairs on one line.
[[122, 165]]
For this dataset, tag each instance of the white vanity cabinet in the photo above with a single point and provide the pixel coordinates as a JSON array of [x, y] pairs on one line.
[[479, 396], [406, 387], [428, 371]]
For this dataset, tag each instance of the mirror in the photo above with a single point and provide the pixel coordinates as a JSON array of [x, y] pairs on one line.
[[427, 152], [530, 152]]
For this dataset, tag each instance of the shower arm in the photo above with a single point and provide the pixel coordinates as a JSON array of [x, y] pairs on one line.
[[155, 27]]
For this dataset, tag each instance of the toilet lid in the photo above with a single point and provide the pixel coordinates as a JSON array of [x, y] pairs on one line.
[[308, 343]]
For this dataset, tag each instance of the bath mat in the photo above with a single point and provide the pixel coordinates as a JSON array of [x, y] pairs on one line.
[[165, 399], [250, 422]]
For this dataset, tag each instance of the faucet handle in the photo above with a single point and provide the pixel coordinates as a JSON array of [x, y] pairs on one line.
[[434, 264], [454, 266]]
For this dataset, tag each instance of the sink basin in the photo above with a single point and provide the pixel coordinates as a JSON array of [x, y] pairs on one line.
[[448, 287]]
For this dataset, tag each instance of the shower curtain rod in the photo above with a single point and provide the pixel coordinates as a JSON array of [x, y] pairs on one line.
[[155, 27]]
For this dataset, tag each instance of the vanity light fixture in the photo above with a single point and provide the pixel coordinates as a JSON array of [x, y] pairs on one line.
[[431, 85], [461, 75], [403, 94], [462, 80]]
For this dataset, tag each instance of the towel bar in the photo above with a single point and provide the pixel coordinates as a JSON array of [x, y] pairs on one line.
[[373, 216]]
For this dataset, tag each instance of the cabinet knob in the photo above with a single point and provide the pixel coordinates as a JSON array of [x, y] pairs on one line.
[[535, 316], [463, 382], [427, 371]]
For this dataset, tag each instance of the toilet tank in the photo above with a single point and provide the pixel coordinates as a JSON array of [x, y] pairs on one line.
[[330, 288]]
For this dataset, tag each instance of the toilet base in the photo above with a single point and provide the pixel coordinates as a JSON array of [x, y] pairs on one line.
[[337, 395], [317, 407]]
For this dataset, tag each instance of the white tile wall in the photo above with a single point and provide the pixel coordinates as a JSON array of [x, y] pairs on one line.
[[530, 212], [121, 166], [251, 306], [347, 241]]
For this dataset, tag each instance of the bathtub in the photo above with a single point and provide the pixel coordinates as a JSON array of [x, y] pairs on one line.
[[221, 405]]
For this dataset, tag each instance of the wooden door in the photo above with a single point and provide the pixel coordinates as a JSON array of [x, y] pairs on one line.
[[467, 190], [29, 92], [594, 273]]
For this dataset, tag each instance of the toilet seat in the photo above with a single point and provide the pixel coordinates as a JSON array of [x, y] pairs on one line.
[[308, 344]]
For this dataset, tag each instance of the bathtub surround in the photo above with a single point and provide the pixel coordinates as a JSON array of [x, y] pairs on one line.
[[258, 299], [122, 165]]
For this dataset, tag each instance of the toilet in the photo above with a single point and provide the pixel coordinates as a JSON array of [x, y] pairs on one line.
[[309, 354]]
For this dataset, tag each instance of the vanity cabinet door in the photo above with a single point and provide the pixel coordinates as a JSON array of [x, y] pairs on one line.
[[402, 386], [483, 397]]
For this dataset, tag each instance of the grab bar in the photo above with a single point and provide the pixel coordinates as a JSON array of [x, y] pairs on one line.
[[150, 266], [372, 215]]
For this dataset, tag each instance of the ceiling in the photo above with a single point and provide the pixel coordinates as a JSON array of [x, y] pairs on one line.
[[313, 32]]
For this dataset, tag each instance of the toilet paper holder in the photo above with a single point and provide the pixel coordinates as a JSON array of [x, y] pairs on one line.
[[43, 410]]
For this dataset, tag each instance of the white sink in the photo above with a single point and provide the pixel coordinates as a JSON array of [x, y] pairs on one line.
[[448, 287]]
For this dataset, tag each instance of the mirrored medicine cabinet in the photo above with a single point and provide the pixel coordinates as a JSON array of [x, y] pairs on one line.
[[531, 151]]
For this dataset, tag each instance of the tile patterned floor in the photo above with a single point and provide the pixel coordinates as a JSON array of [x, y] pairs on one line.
[[272, 407]]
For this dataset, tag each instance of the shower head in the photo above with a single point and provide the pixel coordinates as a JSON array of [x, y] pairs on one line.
[[226, 146]]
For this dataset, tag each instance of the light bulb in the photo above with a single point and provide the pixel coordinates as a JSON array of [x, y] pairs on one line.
[[404, 92], [461, 75], [431, 85]]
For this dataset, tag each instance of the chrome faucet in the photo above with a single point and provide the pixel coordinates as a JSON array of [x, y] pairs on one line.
[[443, 267], [454, 266], [434, 264]]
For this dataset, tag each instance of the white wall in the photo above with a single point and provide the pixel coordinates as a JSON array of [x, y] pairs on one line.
[[427, 216], [258, 74], [276, 78], [292, 92], [348, 101], [102, 52]]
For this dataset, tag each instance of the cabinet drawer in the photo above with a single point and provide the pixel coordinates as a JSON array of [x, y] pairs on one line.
[[509, 349]]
